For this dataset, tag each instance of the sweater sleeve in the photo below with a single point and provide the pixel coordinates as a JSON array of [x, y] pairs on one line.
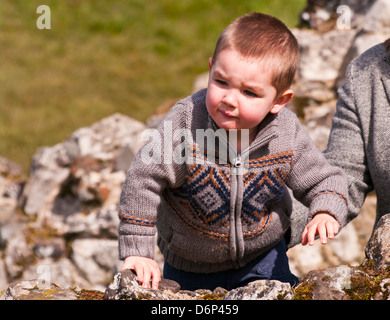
[[316, 183], [152, 170], [346, 146]]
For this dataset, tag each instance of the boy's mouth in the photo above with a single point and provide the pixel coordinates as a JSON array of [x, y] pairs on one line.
[[228, 114]]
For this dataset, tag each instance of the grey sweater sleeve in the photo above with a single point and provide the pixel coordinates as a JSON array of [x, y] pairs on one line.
[[147, 177], [317, 187], [315, 183], [346, 145]]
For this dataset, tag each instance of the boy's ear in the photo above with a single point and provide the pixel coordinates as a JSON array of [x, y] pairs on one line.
[[210, 63], [282, 100]]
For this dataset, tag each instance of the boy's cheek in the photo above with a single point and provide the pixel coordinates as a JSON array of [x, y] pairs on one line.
[[211, 101]]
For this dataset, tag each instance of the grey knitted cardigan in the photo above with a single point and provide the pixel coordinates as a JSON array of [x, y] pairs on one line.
[[211, 217], [359, 141]]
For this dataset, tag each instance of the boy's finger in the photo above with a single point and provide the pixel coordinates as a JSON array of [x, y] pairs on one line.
[[304, 237], [147, 275], [311, 234], [336, 228], [139, 270], [322, 233], [330, 230], [156, 278]]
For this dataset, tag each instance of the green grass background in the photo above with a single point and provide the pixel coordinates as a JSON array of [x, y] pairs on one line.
[[102, 57]]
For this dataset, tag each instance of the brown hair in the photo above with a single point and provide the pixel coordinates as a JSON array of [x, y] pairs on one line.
[[260, 36]]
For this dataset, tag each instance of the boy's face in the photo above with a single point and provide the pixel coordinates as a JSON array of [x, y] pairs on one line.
[[240, 92]]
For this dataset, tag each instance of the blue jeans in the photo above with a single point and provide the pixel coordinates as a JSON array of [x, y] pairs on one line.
[[271, 265]]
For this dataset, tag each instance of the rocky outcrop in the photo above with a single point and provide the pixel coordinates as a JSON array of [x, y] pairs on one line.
[[64, 215], [378, 247], [369, 281], [31, 290], [59, 224]]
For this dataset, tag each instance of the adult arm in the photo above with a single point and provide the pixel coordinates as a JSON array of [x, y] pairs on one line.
[[346, 148]]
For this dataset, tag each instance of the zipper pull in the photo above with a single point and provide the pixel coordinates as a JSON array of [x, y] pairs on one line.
[[238, 166], [237, 162]]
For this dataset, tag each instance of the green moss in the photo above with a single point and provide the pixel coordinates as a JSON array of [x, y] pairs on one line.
[[144, 296], [362, 288], [282, 295], [90, 295], [366, 285], [212, 296], [304, 291]]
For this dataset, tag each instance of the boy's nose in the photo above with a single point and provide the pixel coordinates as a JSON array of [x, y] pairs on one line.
[[230, 98]]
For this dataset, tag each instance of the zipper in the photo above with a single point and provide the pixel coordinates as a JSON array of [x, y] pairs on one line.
[[237, 161], [260, 143], [237, 249]]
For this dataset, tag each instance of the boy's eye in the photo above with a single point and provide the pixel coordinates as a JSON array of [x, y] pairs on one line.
[[250, 93], [221, 82]]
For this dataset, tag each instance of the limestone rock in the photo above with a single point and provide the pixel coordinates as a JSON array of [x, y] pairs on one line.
[[68, 217], [262, 290], [322, 55], [63, 272], [378, 247], [345, 283], [96, 259], [11, 180], [329, 284], [18, 254], [11, 183], [126, 287], [34, 290], [56, 171]]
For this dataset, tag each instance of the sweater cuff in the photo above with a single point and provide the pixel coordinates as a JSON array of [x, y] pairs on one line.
[[136, 245], [333, 203]]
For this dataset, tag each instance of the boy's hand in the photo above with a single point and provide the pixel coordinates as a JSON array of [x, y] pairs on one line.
[[322, 224], [145, 269]]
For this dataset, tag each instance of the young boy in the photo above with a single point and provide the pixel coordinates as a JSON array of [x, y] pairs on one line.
[[222, 222]]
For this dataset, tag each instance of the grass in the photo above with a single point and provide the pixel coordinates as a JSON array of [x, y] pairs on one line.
[[102, 57]]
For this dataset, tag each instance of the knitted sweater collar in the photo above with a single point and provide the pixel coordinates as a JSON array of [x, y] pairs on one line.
[[267, 127]]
